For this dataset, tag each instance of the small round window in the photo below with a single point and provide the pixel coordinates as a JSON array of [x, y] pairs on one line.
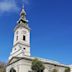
[[24, 48]]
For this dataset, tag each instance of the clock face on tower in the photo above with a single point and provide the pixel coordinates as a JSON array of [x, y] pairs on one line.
[[23, 32]]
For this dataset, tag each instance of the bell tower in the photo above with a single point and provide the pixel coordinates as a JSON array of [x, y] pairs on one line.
[[21, 43]]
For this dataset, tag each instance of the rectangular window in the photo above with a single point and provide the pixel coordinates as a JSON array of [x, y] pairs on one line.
[[24, 38]]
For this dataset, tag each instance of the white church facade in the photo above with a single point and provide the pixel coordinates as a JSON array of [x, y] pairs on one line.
[[20, 58]]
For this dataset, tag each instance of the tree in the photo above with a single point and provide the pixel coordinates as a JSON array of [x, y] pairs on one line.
[[37, 66], [54, 70], [2, 67], [67, 69]]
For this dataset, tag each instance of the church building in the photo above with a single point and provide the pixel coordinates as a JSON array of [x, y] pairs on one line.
[[20, 58]]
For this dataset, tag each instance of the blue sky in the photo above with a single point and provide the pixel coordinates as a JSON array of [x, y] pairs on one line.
[[51, 28]]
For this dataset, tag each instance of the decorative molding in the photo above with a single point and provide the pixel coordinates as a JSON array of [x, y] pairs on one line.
[[21, 44]]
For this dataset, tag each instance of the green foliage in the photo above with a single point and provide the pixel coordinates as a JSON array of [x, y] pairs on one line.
[[37, 66], [67, 69], [54, 70]]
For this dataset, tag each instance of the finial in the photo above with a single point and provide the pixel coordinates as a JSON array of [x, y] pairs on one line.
[[23, 13]]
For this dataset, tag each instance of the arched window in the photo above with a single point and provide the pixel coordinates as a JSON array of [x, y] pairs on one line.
[[17, 35], [12, 70], [24, 48], [55, 70], [16, 38]]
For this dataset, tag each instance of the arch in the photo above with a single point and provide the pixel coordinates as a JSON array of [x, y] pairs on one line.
[[12, 70]]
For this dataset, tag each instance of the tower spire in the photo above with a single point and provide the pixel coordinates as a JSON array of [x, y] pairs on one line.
[[23, 13], [21, 44]]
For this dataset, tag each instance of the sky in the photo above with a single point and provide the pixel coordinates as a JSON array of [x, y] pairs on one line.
[[51, 28]]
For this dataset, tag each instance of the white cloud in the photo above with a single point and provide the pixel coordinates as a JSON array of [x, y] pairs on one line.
[[8, 6]]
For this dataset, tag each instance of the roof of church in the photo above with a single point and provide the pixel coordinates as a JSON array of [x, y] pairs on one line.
[[46, 61]]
